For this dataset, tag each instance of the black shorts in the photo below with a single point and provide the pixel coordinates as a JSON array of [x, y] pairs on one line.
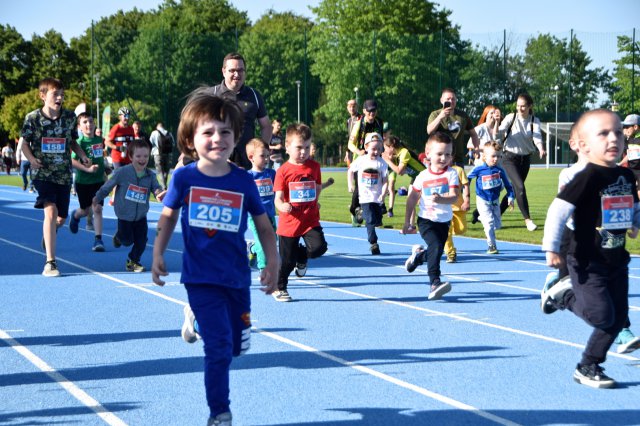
[[49, 192], [86, 192]]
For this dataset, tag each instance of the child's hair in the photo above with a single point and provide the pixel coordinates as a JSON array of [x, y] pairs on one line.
[[298, 129], [135, 144], [439, 137], [254, 144], [493, 144], [203, 104], [49, 83], [486, 112], [83, 115], [393, 141]]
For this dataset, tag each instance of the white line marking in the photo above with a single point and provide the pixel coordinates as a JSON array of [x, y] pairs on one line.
[[69, 386]]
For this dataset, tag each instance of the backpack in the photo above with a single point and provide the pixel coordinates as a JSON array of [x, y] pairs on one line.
[[165, 145]]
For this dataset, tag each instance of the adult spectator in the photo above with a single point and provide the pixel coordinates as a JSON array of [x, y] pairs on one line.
[[488, 128], [162, 144], [631, 130], [250, 101], [120, 135], [368, 123], [25, 167], [455, 123], [354, 116], [522, 137], [276, 146], [139, 133], [7, 157]]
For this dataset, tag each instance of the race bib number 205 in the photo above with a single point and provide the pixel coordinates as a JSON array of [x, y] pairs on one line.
[[215, 209]]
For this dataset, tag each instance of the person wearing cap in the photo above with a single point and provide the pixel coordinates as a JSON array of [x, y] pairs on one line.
[[368, 123], [371, 174], [250, 101], [120, 135], [454, 122], [631, 130]]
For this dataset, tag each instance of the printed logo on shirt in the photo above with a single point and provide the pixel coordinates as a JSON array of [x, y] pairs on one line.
[[53, 145], [215, 209], [137, 194]]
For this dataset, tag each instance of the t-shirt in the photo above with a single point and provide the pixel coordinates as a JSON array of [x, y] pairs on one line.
[[264, 181], [457, 125], [633, 152], [121, 136], [214, 220], [94, 148], [604, 200], [371, 176], [428, 183], [50, 142], [523, 137], [413, 165], [299, 184], [462, 177], [360, 129]]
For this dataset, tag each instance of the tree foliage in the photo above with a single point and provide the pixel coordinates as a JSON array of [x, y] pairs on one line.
[[625, 75]]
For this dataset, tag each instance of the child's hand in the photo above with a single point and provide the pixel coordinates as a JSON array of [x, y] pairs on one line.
[[158, 269], [554, 260], [269, 278], [160, 195], [633, 232], [93, 168], [466, 204]]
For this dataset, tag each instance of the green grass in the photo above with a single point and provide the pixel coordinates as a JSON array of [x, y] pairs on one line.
[[541, 186]]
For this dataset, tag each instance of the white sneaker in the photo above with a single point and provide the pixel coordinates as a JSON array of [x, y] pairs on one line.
[[301, 269], [223, 419], [51, 269], [530, 225], [282, 296], [189, 334], [552, 296]]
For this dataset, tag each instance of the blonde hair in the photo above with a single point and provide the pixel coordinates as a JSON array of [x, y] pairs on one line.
[[254, 144]]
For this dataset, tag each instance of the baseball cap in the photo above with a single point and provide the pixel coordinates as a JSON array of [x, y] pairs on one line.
[[631, 120], [370, 105], [372, 137]]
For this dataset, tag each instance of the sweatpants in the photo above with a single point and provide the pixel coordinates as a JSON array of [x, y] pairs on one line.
[[291, 252], [435, 235]]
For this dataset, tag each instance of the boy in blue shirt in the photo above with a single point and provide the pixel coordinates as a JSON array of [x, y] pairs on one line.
[[258, 154], [215, 198], [490, 179]]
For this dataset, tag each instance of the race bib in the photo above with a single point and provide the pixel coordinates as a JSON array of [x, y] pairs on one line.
[[137, 194], [435, 186], [369, 179], [633, 153], [491, 181], [53, 145], [96, 150], [302, 192], [265, 187], [617, 211], [215, 209]]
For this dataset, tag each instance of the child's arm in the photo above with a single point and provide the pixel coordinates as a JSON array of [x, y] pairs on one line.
[[75, 147], [159, 193], [383, 190], [79, 166], [350, 174], [328, 183], [559, 212], [466, 198], [412, 200], [282, 205], [450, 198], [26, 150], [166, 225], [269, 275], [106, 188]]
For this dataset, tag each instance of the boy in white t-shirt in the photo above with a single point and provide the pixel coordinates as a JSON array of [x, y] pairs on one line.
[[371, 172], [437, 188]]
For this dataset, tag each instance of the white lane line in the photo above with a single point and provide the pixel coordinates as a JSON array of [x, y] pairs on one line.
[[406, 385], [61, 380]]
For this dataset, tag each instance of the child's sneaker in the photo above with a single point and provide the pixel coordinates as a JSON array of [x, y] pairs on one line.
[[552, 294], [475, 215], [354, 222], [223, 419], [452, 257], [530, 225], [626, 342], [116, 241], [189, 334], [390, 212], [98, 245], [73, 223], [413, 262], [301, 269], [593, 375], [439, 289], [492, 249], [375, 249], [133, 266], [51, 269], [282, 296], [359, 217]]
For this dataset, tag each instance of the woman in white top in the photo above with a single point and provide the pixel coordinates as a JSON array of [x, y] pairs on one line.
[[487, 129], [522, 138]]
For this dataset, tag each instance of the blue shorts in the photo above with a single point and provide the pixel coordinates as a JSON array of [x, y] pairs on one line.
[[49, 192]]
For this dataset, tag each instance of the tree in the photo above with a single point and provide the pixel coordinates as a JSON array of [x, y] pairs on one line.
[[52, 57], [15, 54], [625, 88]]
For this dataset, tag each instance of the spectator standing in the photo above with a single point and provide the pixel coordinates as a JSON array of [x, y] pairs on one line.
[[354, 116], [162, 144], [276, 146], [25, 167], [631, 130], [7, 157], [250, 101]]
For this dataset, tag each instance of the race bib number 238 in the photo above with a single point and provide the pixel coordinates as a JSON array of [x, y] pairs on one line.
[[215, 209]]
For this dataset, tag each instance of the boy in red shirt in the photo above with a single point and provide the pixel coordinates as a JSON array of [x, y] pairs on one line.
[[297, 186]]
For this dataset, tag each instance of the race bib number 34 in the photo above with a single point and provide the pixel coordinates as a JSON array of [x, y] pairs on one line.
[[53, 145], [617, 212], [215, 209], [302, 192]]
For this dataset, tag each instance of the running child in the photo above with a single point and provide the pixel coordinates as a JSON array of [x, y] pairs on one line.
[[371, 173], [89, 179], [215, 197], [258, 155], [603, 201], [134, 184], [49, 135], [459, 219], [437, 188], [298, 186], [490, 179]]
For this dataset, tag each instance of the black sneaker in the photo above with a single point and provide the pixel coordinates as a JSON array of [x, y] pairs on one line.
[[592, 375], [73, 223], [475, 216], [412, 261], [375, 249], [116, 241], [98, 245], [359, 217], [133, 266]]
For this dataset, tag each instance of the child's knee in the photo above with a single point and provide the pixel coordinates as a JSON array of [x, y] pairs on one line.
[[314, 252]]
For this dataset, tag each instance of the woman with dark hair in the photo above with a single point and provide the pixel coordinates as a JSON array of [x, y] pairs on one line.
[[522, 138]]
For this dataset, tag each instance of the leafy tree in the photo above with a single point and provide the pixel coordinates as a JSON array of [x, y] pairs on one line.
[[625, 88], [15, 66], [52, 57]]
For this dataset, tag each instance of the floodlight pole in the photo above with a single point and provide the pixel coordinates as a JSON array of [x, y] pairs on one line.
[[298, 84], [97, 76], [556, 88]]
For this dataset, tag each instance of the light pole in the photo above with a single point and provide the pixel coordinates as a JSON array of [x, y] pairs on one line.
[[355, 89], [556, 88], [298, 84], [97, 76]]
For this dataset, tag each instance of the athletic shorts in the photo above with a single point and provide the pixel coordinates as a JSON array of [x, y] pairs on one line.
[[49, 192], [86, 192]]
